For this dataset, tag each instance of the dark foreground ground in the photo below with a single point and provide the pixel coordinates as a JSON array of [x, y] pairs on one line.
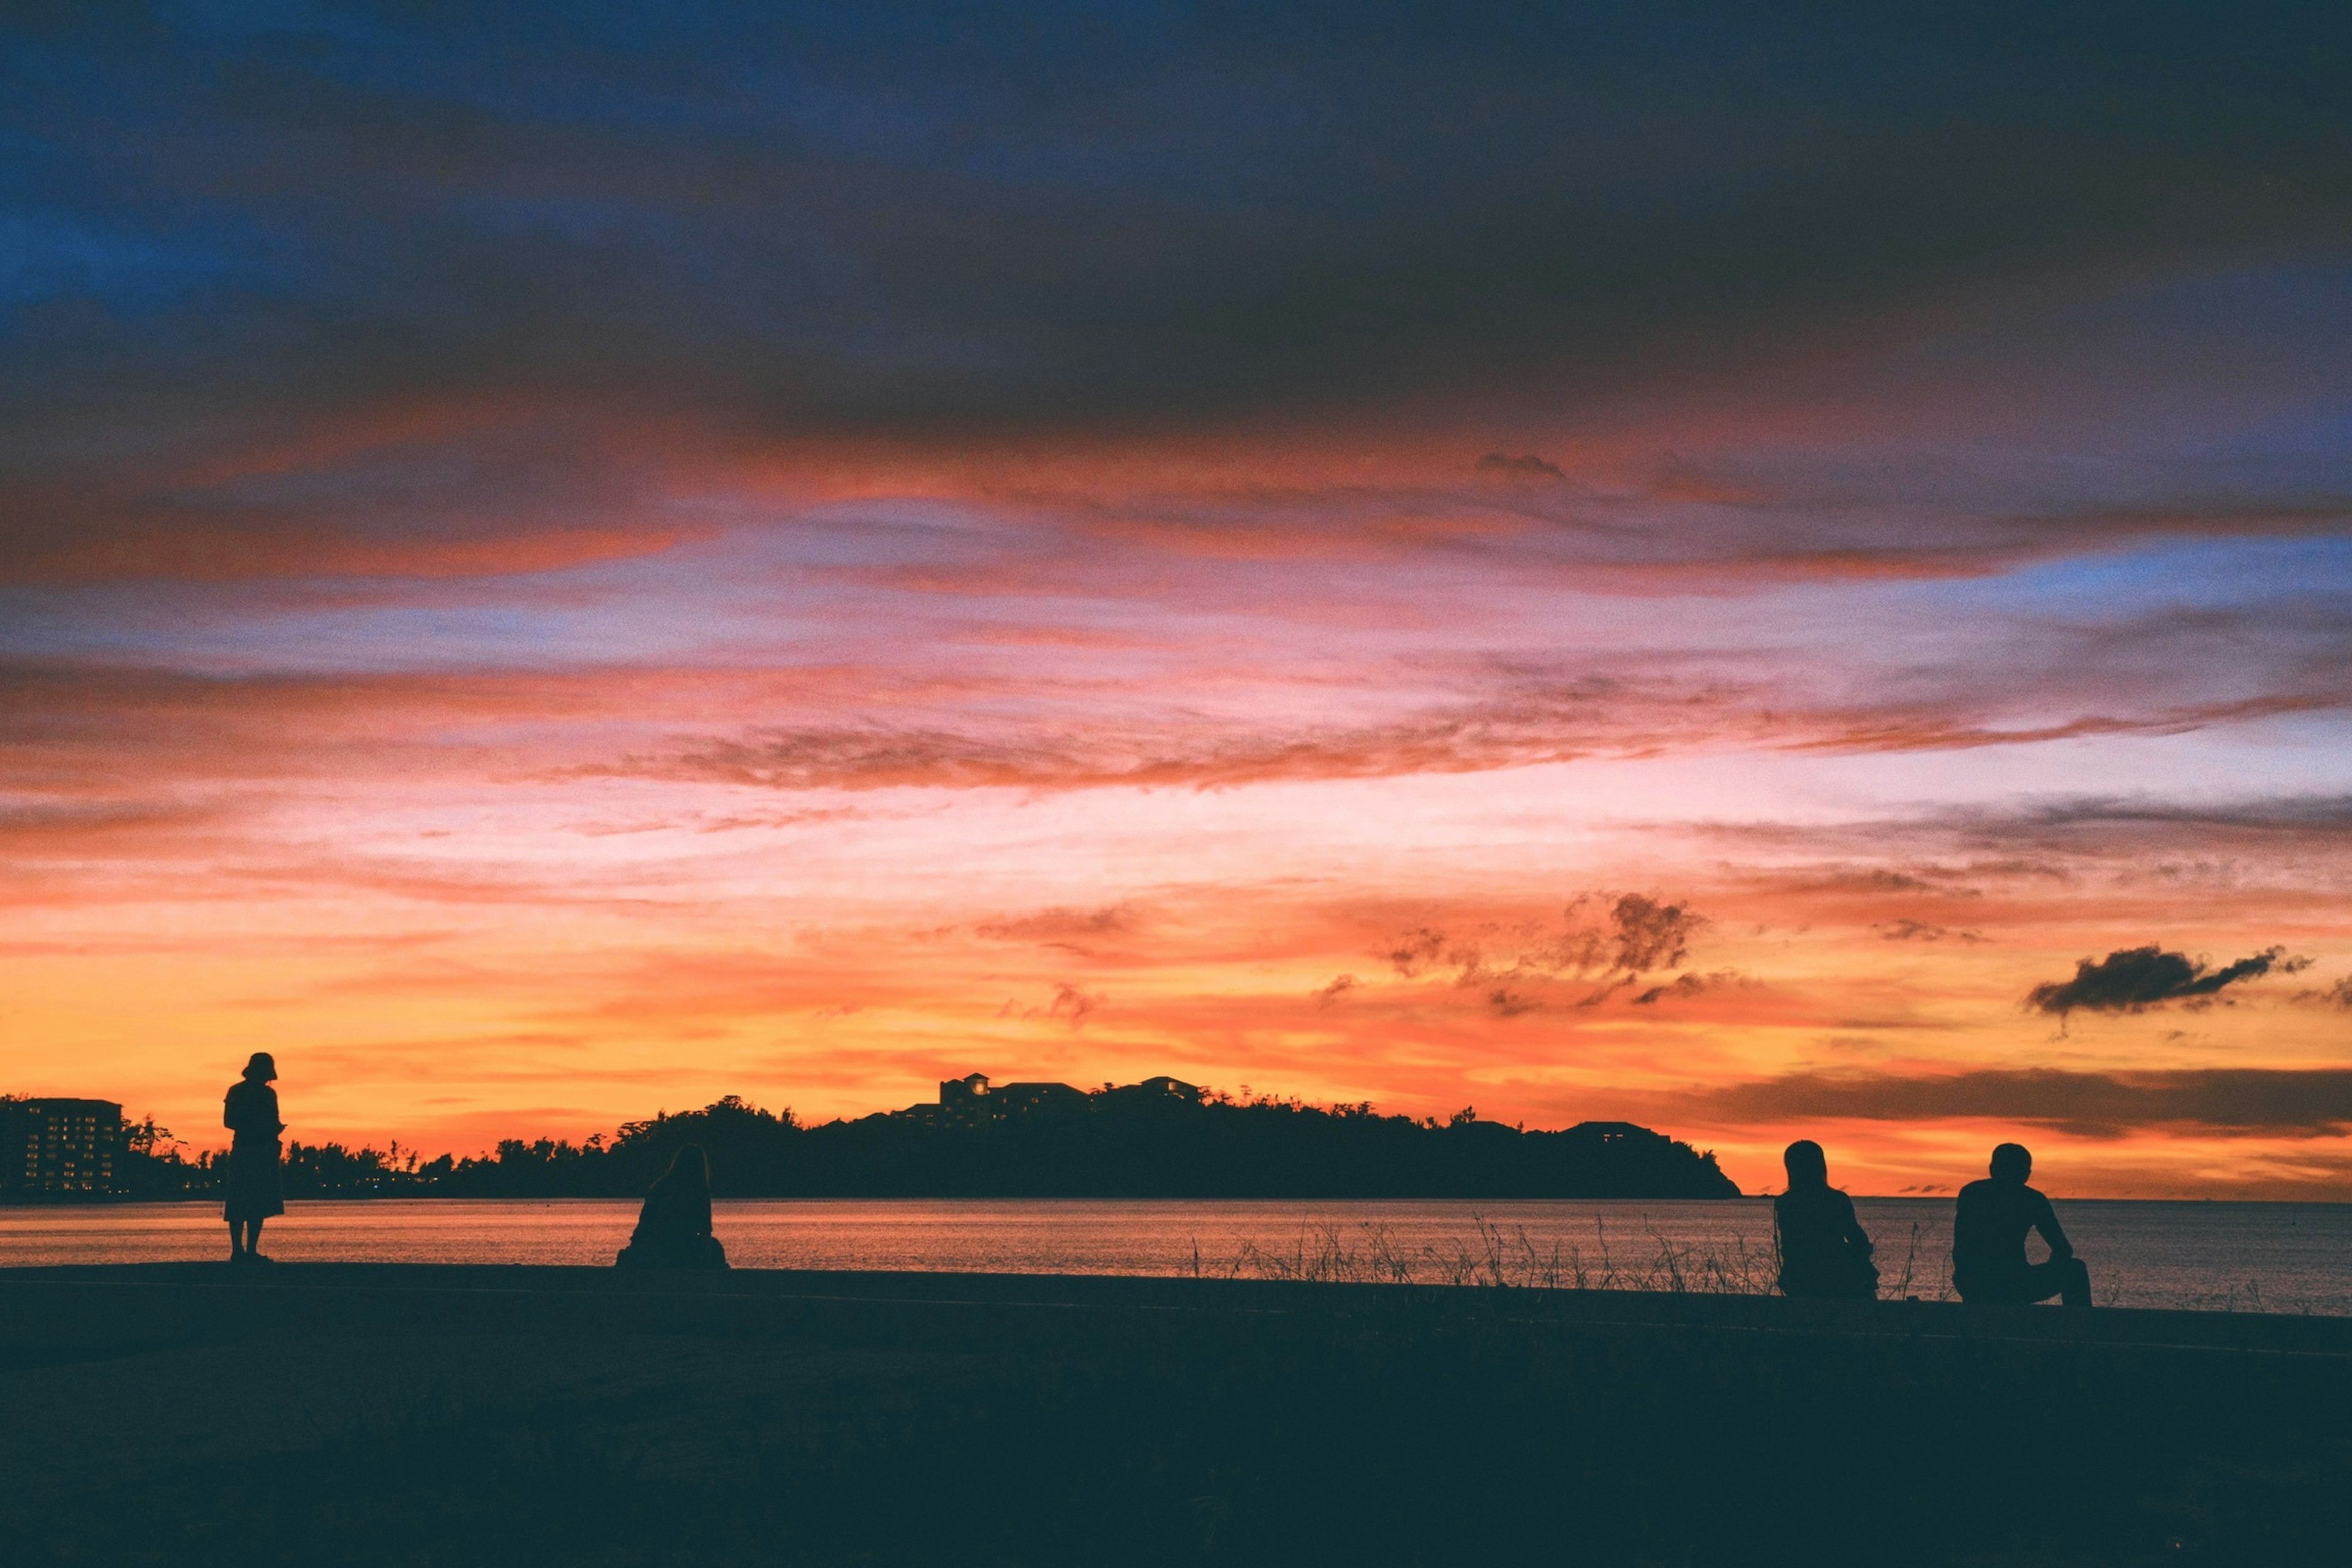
[[399, 1415]]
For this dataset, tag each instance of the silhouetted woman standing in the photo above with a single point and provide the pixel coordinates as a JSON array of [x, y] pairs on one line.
[[673, 1227], [1824, 1252], [255, 1191]]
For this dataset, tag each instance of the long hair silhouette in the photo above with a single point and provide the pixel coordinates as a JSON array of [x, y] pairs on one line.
[[689, 1168]]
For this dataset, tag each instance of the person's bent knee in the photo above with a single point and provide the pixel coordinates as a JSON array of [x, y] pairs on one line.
[[2077, 1292]]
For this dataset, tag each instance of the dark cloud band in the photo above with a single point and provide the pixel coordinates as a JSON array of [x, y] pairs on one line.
[[2247, 1101], [792, 220]]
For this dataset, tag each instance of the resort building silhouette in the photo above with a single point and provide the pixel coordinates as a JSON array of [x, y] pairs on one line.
[[971, 1101], [61, 1146]]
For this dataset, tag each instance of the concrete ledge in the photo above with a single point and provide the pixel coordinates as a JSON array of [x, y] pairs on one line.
[[398, 1414], [90, 1308]]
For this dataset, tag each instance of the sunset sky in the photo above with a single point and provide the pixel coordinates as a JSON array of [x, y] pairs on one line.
[[1663, 563]]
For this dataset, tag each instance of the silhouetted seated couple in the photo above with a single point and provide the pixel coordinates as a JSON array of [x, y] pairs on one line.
[[673, 1227], [1825, 1254]]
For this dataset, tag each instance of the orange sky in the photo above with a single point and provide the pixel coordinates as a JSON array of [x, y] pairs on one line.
[[1155, 817]]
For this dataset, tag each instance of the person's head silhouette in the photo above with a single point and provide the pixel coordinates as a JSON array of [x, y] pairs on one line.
[[262, 1068], [2011, 1163], [1806, 1164], [689, 1167]]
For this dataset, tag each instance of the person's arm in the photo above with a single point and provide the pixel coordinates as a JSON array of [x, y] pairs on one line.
[[2045, 1220], [1856, 1238], [649, 1213]]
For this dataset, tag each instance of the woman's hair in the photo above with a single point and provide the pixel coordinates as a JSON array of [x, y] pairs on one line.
[[690, 1164], [262, 1068], [1806, 1164]]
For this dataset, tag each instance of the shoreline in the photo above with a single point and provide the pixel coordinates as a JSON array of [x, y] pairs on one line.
[[2145, 1254], [118, 1200]]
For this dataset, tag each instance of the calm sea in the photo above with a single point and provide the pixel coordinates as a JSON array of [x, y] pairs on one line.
[[2283, 1258]]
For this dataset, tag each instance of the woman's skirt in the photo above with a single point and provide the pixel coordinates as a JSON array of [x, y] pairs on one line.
[[255, 1191]]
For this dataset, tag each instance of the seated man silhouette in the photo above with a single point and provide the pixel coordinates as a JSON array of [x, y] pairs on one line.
[[1824, 1252], [673, 1227], [1988, 1263]]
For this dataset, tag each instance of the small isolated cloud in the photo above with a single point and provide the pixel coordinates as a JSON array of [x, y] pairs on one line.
[[2336, 995], [1920, 930], [1506, 1002], [1072, 1004], [1419, 949], [1340, 984], [2137, 977], [1631, 936], [1525, 467], [1059, 926], [1652, 935], [1684, 986]]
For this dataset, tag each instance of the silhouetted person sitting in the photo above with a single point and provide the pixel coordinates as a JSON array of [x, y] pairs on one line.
[[1824, 1252], [673, 1227], [1989, 1264], [255, 1190]]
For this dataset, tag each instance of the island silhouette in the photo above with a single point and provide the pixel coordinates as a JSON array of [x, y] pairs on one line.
[[1161, 1137]]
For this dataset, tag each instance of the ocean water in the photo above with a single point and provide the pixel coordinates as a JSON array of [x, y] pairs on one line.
[[2277, 1257]]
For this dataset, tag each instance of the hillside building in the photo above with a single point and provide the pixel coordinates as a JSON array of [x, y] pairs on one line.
[[972, 1102], [62, 1146]]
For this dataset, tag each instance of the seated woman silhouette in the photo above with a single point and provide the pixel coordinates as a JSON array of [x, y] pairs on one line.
[[673, 1227], [1824, 1252], [1989, 1262], [254, 1192]]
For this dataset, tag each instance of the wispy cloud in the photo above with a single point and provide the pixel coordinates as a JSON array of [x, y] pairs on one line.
[[2337, 996]]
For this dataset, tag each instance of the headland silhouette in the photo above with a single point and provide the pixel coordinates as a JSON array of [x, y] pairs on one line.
[[1159, 1138]]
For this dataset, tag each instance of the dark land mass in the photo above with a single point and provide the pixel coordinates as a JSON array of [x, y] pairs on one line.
[[358, 1414], [1156, 1140]]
